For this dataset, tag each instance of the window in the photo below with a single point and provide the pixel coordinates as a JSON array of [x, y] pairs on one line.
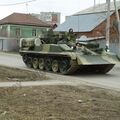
[[17, 32], [34, 32]]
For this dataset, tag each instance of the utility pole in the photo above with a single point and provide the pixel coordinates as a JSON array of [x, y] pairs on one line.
[[108, 25], [118, 22]]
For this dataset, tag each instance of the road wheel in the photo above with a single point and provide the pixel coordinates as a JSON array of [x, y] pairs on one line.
[[64, 66], [25, 58], [29, 62], [35, 63], [41, 64], [55, 66], [48, 64]]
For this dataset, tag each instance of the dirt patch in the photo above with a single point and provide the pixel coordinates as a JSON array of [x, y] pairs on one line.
[[59, 103], [14, 74]]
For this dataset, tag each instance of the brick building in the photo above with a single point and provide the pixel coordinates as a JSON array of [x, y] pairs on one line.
[[92, 23]]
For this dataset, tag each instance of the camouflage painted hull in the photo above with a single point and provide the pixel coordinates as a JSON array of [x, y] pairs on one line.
[[77, 63], [60, 58], [90, 69], [100, 64]]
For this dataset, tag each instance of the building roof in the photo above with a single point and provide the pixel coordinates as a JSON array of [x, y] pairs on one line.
[[99, 8], [82, 23], [88, 19], [23, 19]]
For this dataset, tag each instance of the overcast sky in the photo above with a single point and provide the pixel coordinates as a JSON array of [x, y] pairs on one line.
[[65, 7]]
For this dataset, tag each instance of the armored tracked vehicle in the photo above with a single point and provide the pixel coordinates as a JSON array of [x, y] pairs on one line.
[[64, 59]]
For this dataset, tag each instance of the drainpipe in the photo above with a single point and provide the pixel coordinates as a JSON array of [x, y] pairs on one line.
[[118, 21]]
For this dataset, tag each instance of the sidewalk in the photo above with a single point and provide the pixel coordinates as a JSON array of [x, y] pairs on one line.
[[38, 83]]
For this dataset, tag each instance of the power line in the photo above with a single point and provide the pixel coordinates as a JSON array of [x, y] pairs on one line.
[[19, 3]]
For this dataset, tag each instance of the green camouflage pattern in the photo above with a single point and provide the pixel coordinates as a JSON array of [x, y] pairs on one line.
[[80, 57]]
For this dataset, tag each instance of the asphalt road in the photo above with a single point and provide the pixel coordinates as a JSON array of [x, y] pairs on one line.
[[108, 81]]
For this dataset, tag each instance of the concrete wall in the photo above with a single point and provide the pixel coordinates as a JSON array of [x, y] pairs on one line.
[[1, 44], [9, 44], [113, 46]]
